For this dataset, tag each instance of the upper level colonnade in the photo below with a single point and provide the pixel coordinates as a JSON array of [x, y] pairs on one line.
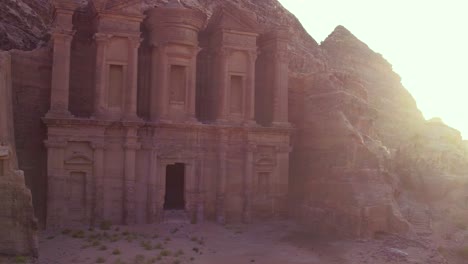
[[112, 61]]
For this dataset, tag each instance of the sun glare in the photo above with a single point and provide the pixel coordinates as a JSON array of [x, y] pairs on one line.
[[425, 41]]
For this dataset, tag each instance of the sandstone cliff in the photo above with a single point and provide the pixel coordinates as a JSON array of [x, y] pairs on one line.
[[17, 222]]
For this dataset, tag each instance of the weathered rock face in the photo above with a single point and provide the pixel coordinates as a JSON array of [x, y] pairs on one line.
[[396, 114], [17, 223], [24, 23]]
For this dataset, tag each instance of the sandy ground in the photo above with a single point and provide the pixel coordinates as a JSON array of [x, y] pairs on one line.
[[268, 243]]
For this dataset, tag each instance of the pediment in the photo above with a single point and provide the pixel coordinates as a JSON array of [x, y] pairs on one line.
[[232, 17], [265, 162], [79, 160]]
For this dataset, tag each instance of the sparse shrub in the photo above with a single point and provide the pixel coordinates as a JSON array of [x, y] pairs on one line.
[[158, 246], [194, 239], [96, 244], [195, 249], [139, 259], [192, 258], [179, 252], [66, 231], [116, 251], [50, 237], [105, 225], [175, 230], [461, 225], [103, 248], [78, 234], [146, 245], [20, 259], [176, 261], [100, 260], [463, 252], [165, 253]]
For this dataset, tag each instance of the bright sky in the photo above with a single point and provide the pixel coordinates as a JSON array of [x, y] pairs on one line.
[[426, 41]]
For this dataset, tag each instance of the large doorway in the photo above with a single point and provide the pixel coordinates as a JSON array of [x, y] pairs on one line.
[[175, 187]]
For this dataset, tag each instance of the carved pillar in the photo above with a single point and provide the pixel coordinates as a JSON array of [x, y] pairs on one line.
[[161, 191], [56, 196], [281, 181], [280, 88], [99, 213], [101, 74], [221, 84], [192, 86], [152, 206], [221, 188], [248, 183], [132, 79], [250, 90], [131, 146], [59, 96]]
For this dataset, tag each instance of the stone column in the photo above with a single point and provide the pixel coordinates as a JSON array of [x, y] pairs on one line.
[[250, 90], [280, 88], [221, 85], [59, 95], [281, 181], [102, 41], [161, 190], [221, 185], [192, 86], [131, 146], [99, 196], [248, 183], [132, 79], [152, 206], [56, 188]]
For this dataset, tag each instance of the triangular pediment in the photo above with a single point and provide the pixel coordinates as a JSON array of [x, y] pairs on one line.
[[232, 17], [79, 160]]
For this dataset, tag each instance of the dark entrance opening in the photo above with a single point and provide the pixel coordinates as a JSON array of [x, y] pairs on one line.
[[175, 185]]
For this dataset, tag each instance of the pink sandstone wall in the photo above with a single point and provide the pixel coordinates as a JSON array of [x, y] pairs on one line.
[[31, 73]]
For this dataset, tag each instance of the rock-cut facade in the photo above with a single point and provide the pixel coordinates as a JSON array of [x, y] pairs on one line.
[[165, 111]]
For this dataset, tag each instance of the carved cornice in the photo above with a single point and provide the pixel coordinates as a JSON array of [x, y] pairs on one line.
[[56, 143], [132, 146], [283, 149], [102, 37], [60, 34], [98, 144]]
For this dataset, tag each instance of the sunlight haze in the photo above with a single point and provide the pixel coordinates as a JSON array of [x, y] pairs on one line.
[[426, 41]]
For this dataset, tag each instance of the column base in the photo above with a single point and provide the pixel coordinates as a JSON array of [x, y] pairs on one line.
[[281, 124], [250, 123], [131, 118], [59, 114]]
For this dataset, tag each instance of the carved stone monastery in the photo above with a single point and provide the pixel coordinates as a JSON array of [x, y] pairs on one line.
[[160, 115]]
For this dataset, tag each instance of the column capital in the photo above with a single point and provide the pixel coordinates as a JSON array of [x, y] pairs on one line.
[[251, 147], [98, 145], [282, 56], [132, 146], [134, 41], [224, 52], [62, 34], [253, 54], [102, 37]]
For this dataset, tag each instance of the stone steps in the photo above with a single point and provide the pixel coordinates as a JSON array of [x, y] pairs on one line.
[[421, 222], [176, 217]]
